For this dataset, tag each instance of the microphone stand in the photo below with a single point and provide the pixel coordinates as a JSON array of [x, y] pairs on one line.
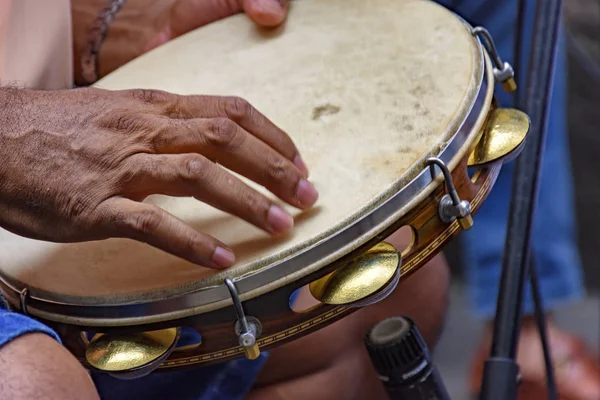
[[500, 376]]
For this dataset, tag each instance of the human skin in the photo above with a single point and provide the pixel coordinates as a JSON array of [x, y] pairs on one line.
[[140, 25], [77, 165]]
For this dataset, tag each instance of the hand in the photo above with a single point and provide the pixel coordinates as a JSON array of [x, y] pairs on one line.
[[76, 165], [142, 25]]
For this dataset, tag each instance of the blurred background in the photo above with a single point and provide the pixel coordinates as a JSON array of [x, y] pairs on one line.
[[453, 357]]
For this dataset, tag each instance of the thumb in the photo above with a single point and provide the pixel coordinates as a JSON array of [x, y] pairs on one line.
[[187, 15], [266, 13]]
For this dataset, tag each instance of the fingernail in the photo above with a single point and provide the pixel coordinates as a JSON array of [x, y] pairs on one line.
[[223, 257], [268, 13], [306, 194], [279, 220], [267, 6], [298, 162], [274, 6]]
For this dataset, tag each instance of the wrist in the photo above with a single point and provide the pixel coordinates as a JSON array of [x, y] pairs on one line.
[[91, 21], [12, 103]]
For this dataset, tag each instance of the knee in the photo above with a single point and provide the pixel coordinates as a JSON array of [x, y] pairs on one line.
[[38, 366]]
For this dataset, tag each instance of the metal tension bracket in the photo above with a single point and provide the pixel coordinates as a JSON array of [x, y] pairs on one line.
[[503, 71], [451, 206], [247, 329], [24, 295]]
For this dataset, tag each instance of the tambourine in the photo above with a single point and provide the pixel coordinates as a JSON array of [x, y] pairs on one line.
[[391, 103]]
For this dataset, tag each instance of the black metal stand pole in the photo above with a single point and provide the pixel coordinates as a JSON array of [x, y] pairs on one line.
[[501, 371], [542, 329]]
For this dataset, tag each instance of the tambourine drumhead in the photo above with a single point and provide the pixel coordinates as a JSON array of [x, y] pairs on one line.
[[366, 89]]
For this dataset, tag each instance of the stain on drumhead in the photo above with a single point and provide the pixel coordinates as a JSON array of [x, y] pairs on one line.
[[325, 110]]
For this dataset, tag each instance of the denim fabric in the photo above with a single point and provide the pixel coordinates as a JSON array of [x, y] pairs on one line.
[[554, 244], [13, 325], [229, 381]]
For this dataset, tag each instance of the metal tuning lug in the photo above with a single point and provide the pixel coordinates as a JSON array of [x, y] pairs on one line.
[[247, 329], [24, 296], [451, 206], [364, 280], [503, 71]]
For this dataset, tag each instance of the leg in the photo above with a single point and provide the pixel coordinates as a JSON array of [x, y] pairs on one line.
[[35, 366], [320, 365]]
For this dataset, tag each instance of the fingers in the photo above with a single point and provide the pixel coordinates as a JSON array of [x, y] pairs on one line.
[[152, 225], [233, 108], [187, 15], [224, 142], [194, 175], [246, 116], [266, 13]]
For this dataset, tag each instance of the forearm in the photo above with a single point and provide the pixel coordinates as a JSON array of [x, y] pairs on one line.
[[83, 15], [25, 143], [13, 117], [11, 101], [11, 105]]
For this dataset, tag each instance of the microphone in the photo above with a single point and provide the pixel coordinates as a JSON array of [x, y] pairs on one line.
[[402, 360]]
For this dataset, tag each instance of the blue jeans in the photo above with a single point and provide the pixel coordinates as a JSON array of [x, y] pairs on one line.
[[13, 325], [229, 381], [554, 244]]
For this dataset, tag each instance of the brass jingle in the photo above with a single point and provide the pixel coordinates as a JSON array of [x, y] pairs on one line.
[[503, 137], [129, 356], [380, 295], [360, 278]]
